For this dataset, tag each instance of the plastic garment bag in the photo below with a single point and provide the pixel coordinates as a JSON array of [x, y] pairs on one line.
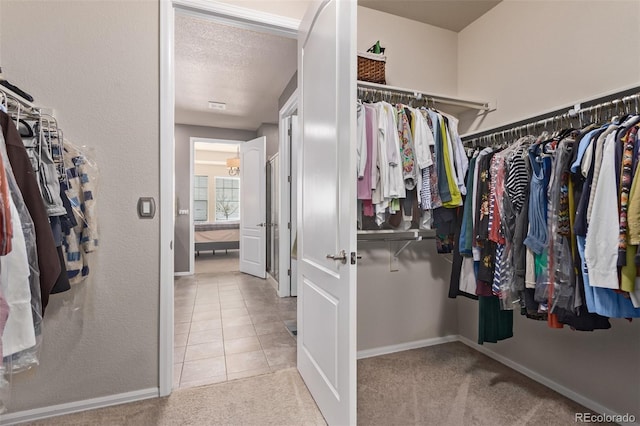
[[21, 355], [81, 234]]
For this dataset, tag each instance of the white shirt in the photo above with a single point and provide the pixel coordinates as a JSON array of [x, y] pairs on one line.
[[19, 333], [601, 250], [422, 140], [460, 160], [361, 147], [396, 185]]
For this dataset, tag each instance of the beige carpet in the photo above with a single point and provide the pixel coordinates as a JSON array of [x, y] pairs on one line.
[[452, 384], [448, 384], [279, 398]]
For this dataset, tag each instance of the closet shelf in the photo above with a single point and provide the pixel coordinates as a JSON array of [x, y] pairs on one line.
[[391, 235], [396, 235], [465, 104]]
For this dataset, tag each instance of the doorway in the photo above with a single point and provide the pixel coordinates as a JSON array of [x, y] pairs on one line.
[[236, 286], [215, 200]]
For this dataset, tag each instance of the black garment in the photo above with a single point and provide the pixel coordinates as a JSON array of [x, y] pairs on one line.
[[531, 307], [583, 320], [16, 90], [519, 249], [444, 220], [456, 268], [407, 203], [48, 260], [62, 283], [580, 222], [494, 323], [487, 247], [482, 198]]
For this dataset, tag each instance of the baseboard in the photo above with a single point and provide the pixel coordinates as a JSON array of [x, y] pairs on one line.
[[383, 350], [272, 281], [182, 274], [562, 390], [77, 406]]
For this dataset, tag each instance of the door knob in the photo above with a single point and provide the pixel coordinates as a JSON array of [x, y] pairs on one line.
[[342, 256]]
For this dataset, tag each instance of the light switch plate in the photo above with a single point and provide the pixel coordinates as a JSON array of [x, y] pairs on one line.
[[146, 208]]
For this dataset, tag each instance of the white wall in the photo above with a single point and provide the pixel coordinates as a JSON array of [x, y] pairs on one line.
[[563, 51], [294, 9], [419, 56], [533, 56], [404, 306], [270, 131], [103, 84]]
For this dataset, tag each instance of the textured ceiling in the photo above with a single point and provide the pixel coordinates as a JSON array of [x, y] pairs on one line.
[[452, 15], [248, 70], [245, 69]]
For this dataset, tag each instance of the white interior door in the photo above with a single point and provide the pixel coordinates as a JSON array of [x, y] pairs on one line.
[[294, 144], [327, 213], [253, 207]]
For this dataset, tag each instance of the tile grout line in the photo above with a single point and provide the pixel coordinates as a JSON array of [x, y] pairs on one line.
[[243, 290]]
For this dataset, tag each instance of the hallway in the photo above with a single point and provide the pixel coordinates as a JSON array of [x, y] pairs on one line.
[[229, 325]]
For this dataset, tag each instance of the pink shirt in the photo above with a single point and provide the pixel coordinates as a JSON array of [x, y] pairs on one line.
[[366, 183]]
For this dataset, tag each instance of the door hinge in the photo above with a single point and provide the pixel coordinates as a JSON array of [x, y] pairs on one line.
[[289, 225], [289, 179], [289, 131], [289, 272]]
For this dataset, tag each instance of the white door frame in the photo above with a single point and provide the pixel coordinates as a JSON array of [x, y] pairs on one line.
[[230, 14], [284, 283]]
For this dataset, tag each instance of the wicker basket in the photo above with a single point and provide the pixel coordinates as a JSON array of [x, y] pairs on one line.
[[371, 67]]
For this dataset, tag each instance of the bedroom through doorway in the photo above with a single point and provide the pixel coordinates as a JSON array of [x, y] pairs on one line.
[[228, 84]]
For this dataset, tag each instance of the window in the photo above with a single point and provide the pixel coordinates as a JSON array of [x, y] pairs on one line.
[[201, 198], [227, 199]]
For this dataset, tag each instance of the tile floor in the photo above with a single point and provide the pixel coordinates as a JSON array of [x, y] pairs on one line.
[[229, 325]]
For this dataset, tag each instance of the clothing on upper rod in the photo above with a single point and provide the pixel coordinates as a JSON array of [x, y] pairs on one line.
[[401, 153]]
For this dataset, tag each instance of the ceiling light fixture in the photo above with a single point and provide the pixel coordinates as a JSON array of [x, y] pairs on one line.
[[220, 106], [233, 164]]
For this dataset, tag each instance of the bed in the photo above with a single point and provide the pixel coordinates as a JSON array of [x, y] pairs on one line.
[[217, 236]]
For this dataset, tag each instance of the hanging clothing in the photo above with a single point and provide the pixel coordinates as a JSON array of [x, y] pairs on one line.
[[494, 324], [409, 172], [601, 250], [401, 166], [82, 239], [47, 254], [19, 333], [4, 316], [27, 357], [39, 152], [461, 162], [364, 151], [540, 169]]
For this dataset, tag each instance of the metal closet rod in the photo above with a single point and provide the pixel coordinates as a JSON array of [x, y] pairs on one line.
[[597, 106], [384, 91], [8, 95]]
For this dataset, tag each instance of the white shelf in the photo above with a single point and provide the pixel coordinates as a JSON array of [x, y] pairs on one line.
[[396, 235], [468, 104]]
